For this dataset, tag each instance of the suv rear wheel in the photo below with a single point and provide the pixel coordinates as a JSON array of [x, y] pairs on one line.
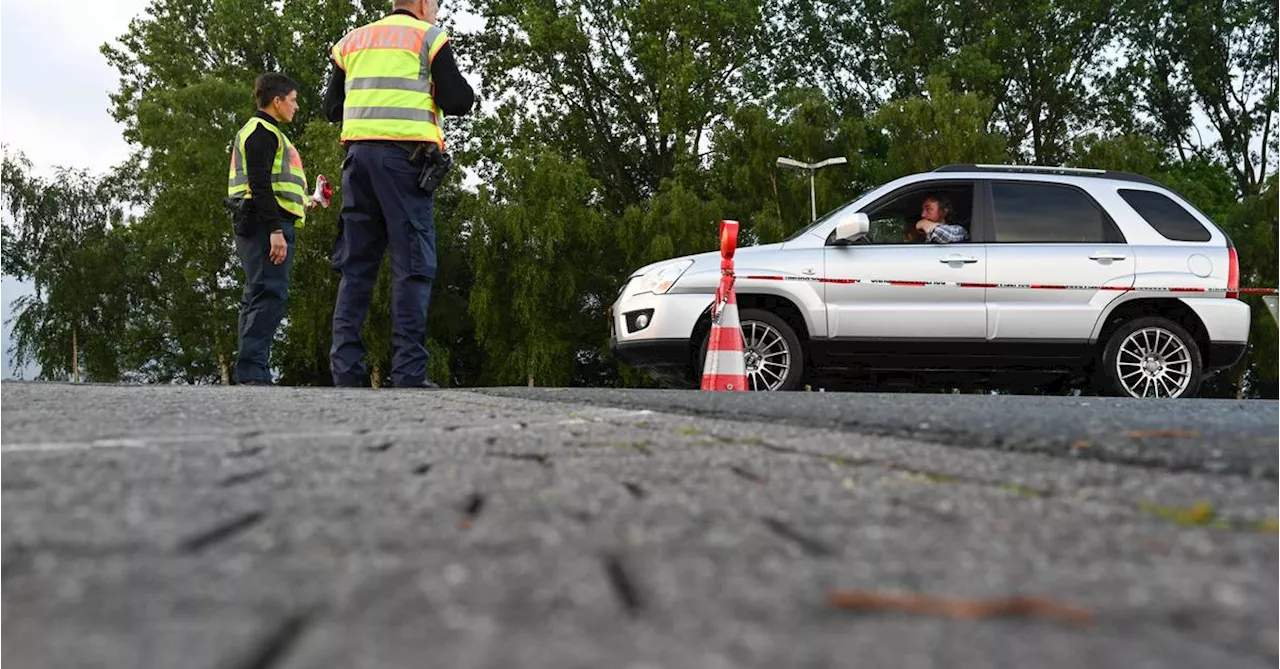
[[772, 351], [1151, 357]]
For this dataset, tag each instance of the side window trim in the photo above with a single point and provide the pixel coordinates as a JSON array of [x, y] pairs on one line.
[[989, 226]]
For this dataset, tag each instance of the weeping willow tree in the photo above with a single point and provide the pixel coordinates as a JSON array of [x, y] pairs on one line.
[[65, 236]]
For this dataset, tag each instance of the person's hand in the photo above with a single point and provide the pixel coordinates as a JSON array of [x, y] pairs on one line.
[[279, 249], [925, 225]]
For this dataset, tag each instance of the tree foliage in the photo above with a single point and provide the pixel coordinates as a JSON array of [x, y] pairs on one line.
[[1211, 59], [630, 88], [64, 235]]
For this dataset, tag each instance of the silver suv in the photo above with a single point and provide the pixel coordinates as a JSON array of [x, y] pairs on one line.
[[1105, 276]]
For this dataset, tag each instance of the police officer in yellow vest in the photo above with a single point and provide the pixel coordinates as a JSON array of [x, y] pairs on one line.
[[392, 81], [267, 191]]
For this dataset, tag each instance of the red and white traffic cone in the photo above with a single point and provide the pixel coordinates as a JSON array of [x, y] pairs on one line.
[[725, 367]]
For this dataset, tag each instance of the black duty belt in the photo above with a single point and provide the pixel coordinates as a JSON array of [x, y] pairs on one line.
[[406, 146]]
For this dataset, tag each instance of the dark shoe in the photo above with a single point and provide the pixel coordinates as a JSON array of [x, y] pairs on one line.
[[258, 382], [351, 382]]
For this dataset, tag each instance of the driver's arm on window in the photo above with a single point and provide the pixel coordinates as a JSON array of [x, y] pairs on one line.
[[947, 234]]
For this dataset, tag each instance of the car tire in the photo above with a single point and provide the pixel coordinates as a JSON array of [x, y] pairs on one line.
[[1157, 353], [789, 338]]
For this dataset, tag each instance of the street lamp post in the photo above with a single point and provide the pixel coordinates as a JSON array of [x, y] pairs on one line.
[[811, 167]]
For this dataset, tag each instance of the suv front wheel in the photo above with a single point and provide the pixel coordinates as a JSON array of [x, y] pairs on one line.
[[772, 351], [1151, 357]]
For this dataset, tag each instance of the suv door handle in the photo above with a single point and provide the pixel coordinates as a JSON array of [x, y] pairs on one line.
[[1106, 256], [946, 260]]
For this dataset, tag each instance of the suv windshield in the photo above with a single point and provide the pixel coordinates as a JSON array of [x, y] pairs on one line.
[[825, 217]]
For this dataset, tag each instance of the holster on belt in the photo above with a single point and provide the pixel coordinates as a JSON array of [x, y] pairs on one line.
[[241, 210], [435, 164]]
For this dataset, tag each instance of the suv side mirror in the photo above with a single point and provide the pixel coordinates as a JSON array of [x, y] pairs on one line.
[[852, 227]]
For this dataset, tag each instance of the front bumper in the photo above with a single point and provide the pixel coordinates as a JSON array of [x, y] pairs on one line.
[[669, 361], [661, 348]]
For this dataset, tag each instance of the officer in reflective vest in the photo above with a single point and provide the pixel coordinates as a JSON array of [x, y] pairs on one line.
[[266, 191], [391, 82]]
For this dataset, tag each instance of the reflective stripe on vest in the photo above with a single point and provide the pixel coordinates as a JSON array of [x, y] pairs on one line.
[[288, 179], [388, 80]]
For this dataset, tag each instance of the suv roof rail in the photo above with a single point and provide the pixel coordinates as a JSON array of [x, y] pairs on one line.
[[1077, 171]]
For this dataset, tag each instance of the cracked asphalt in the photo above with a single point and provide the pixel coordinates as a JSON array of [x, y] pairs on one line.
[[287, 527]]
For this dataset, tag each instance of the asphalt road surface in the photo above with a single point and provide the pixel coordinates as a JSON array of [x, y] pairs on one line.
[[252, 528]]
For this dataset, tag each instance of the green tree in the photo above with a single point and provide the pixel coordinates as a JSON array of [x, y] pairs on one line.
[[535, 247], [631, 88], [944, 128], [808, 126], [1038, 63], [1215, 59], [832, 46], [65, 236], [1254, 226], [624, 95]]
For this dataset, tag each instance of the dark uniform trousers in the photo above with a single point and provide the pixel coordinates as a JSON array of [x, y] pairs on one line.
[[262, 305], [383, 208]]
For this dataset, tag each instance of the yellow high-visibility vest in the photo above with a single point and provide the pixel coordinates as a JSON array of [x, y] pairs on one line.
[[388, 80], [288, 180]]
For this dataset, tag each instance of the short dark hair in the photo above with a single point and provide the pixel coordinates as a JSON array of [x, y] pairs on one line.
[[272, 85]]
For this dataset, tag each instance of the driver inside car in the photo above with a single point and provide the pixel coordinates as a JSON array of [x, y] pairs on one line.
[[933, 224]]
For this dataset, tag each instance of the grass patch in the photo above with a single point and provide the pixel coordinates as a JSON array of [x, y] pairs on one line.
[[1267, 525], [1200, 514], [642, 446], [745, 441], [927, 477]]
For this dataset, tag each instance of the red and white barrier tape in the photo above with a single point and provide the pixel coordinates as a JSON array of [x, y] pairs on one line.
[[1028, 286]]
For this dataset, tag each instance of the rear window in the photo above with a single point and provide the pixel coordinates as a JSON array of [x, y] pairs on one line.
[[1168, 218]]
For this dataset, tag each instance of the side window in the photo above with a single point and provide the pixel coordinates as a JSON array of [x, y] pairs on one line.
[[894, 217], [887, 229], [1168, 218], [1049, 214]]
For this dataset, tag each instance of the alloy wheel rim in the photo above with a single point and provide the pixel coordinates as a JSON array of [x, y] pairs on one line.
[[1153, 362], [767, 356]]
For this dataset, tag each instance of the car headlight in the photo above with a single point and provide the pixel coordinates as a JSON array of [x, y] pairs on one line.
[[661, 278]]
